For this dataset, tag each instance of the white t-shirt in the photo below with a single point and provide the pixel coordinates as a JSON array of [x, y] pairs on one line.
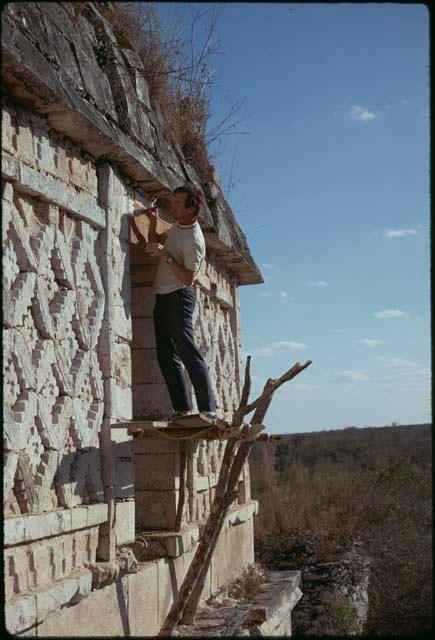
[[186, 245]]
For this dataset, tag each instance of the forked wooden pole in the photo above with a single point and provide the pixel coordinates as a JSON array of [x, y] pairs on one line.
[[236, 453]]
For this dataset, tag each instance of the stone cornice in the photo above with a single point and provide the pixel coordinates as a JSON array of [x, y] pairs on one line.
[[50, 66]]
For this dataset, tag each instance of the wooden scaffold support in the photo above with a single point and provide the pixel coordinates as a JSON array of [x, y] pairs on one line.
[[236, 453]]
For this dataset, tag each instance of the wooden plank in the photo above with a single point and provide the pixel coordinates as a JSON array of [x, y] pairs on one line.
[[194, 420], [138, 424]]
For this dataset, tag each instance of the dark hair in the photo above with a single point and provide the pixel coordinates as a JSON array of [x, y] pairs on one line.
[[194, 197]]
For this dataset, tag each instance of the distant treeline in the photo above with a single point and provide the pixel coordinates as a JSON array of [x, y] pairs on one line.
[[372, 485], [356, 448]]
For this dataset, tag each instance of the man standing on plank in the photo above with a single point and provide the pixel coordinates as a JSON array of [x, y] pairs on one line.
[[181, 251]]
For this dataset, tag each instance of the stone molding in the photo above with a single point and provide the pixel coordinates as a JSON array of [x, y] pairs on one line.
[[25, 611], [44, 525], [39, 185]]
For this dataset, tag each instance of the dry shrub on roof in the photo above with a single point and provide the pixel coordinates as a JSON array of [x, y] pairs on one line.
[[176, 58], [176, 68]]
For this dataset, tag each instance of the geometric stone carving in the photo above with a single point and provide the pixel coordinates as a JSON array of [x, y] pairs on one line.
[[25, 256], [41, 311], [22, 358], [53, 391], [61, 262], [70, 480], [215, 340], [18, 299]]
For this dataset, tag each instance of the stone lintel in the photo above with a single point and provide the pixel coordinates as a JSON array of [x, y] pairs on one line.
[[43, 186], [31, 527]]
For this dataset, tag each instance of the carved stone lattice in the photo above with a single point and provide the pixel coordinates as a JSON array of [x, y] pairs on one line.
[[53, 308], [215, 340]]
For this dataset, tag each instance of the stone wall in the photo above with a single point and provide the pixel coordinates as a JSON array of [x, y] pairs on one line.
[[78, 342]]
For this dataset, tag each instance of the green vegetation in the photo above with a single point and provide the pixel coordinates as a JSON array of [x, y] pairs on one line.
[[367, 485], [342, 616]]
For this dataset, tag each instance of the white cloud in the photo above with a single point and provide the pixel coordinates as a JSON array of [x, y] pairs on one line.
[[388, 313], [266, 265], [318, 283], [358, 114], [350, 375], [283, 344], [275, 347], [369, 342], [282, 295], [400, 233]]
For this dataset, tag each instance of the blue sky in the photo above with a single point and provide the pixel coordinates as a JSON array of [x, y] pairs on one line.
[[331, 187]]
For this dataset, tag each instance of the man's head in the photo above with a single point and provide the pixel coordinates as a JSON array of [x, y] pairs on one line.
[[186, 203]]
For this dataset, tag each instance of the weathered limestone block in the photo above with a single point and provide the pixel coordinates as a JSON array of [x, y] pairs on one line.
[[240, 547], [143, 600], [151, 400], [145, 368], [271, 612], [24, 138], [103, 613], [143, 274], [156, 509], [147, 445], [125, 521], [117, 362], [219, 565], [37, 564], [21, 615], [157, 472], [40, 185], [142, 301], [171, 574], [141, 85], [124, 474], [9, 131], [122, 322], [69, 591], [143, 333], [118, 400]]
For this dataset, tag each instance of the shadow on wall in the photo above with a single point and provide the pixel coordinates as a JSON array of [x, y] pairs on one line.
[[77, 480], [150, 395]]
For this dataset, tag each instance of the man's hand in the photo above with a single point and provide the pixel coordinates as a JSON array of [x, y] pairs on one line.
[[156, 249]]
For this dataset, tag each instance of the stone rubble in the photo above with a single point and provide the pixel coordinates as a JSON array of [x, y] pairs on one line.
[[267, 613], [335, 593]]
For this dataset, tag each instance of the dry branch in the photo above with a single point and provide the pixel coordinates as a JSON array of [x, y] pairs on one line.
[[236, 453]]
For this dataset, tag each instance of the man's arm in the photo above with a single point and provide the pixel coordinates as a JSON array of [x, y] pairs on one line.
[[186, 276]]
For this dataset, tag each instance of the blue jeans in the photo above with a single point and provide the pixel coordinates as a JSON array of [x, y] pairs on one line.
[[175, 345]]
